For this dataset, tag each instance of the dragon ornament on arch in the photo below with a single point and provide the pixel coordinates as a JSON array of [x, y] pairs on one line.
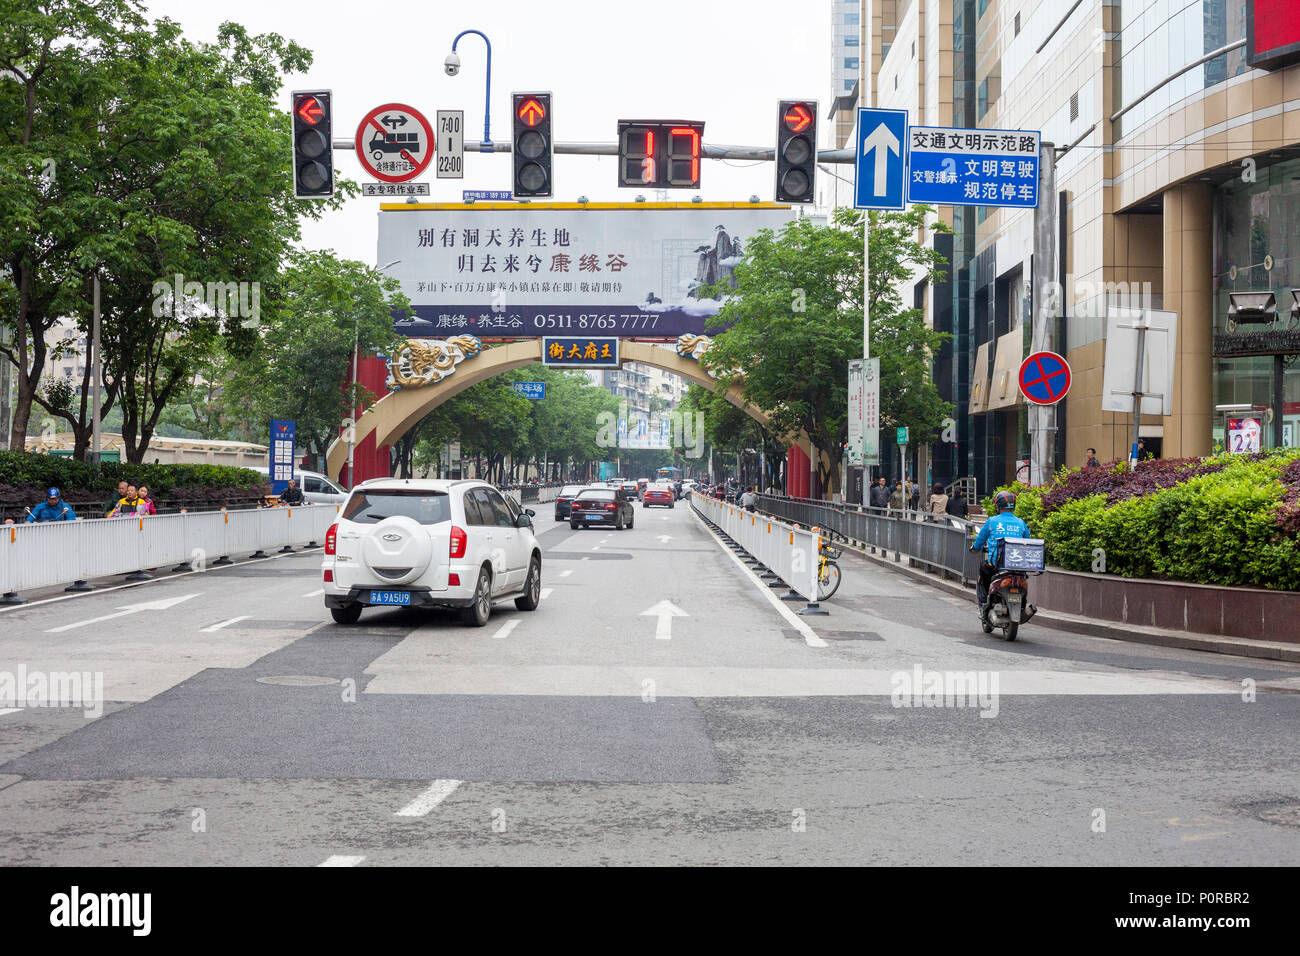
[[421, 362]]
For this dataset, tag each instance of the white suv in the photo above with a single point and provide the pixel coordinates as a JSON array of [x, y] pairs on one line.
[[425, 543]]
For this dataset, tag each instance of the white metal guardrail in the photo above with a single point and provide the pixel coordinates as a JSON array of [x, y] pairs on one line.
[[938, 542], [41, 555], [533, 494], [787, 551]]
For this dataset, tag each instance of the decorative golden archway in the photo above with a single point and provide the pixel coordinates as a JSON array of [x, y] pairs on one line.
[[398, 412]]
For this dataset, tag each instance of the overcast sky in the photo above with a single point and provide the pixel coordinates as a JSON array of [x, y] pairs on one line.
[[725, 63]]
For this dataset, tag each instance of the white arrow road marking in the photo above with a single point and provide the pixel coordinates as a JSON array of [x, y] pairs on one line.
[[438, 791], [506, 628], [545, 593], [884, 142], [566, 573], [665, 611], [317, 593], [162, 605], [665, 538], [342, 861], [217, 627]]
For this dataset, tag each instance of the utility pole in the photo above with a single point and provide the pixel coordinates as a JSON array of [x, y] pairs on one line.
[[99, 377], [1046, 302]]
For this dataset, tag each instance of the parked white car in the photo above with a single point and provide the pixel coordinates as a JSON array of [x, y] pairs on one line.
[[419, 542], [315, 486]]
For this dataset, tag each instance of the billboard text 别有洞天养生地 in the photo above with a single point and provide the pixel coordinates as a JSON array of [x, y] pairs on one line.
[[510, 270]]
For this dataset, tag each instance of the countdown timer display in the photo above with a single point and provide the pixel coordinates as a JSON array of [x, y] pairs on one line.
[[660, 154]]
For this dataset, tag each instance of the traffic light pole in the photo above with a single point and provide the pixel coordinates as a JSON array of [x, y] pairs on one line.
[[708, 151]]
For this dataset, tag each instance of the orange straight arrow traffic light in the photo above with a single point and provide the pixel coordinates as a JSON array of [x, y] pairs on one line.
[[532, 112], [531, 145]]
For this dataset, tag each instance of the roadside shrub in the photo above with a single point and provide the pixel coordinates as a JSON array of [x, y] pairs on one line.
[[1072, 531], [24, 478], [1228, 520]]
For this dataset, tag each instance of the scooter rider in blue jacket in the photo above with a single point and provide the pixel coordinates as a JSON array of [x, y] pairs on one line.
[[53, 508], [1004, 524]]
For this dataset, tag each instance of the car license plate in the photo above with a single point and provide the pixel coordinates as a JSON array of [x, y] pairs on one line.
[[390, 597], [595, 516]]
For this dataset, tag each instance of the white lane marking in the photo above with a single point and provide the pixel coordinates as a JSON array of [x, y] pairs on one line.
[[586, 557], [506, 628], [317, 593], [809, 635], [135, 584], [9, 710], [546, 592], [596, 548], [160, 605], [665, 611], [438, 791], [217, 627], [342, 861], [566, 573]]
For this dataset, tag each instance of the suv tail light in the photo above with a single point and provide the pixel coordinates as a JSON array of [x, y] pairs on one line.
[[332, 538], [459, 542]]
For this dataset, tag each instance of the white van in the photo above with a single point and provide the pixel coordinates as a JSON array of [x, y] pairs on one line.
[[315, 486]]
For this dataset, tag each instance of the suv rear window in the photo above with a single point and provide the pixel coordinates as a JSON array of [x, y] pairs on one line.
[[373, 505]]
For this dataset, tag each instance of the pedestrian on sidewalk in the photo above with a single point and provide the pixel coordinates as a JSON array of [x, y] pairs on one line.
[[879, 494], [111, 504], [938, 501], [53, 508]]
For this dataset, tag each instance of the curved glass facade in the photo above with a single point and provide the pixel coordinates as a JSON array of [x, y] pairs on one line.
[[1158, 37]]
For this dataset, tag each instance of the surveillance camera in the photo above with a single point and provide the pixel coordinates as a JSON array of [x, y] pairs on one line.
[[452, 63]]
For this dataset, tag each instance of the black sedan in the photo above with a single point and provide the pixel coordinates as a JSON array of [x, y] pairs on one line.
[[601, 506], [564, 499]]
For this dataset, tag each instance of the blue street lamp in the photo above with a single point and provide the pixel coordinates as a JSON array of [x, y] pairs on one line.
[[452, 66]]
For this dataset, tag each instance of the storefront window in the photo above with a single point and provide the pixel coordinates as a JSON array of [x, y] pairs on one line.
[[1257, 249]]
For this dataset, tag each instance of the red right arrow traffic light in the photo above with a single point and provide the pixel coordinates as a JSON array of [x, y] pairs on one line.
[[796, 151]]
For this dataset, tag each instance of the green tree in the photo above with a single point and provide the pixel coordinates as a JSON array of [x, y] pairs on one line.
[[296, 369], [797, 321], [169, 158]]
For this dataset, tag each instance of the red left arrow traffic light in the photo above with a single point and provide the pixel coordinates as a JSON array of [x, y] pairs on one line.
[[313, 150]]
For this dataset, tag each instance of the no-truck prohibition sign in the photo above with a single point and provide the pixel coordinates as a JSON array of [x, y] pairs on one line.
[[395, 143]]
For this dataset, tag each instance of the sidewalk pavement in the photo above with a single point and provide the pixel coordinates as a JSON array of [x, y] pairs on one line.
[[1272, 650]]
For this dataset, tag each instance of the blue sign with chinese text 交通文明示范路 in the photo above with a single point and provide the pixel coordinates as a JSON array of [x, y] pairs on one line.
[[532, 390], [280, 457], [973, 167], [880, 159], [571, 351]]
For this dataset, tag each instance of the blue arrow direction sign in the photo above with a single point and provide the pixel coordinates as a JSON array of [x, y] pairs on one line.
[[880, 166]]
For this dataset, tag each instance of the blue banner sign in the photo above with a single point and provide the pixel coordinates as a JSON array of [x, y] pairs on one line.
[[973, 167], [533, 390], [281, 458]]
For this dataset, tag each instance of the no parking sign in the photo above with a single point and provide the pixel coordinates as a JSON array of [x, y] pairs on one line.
[[1044, 378]]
